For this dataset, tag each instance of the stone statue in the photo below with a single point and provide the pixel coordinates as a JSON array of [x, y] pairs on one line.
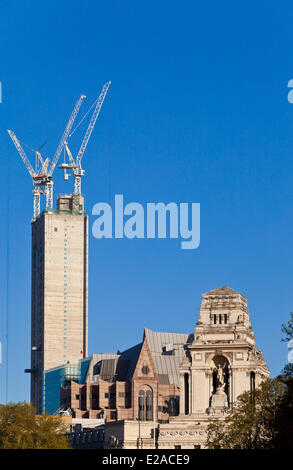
[[220, 378], [219, 400]]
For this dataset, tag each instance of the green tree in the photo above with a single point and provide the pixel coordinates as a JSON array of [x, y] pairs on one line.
[[285, 437], [287, 329], [21, 428], [252, 424]]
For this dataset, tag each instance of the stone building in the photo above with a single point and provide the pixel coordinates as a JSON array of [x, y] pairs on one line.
[[220, 362], [141, 383], [163, 391]]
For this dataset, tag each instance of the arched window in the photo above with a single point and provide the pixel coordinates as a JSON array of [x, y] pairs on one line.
[[145, 405], [141, 400]]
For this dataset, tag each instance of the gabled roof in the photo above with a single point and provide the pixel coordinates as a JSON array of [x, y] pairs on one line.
[[168, 351]]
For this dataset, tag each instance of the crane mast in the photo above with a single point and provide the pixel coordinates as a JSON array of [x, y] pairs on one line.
[[43, 178], [40, 180], [66, 134], [75, 165], [43, 181]]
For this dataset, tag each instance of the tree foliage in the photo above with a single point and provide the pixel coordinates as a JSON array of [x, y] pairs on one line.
[[287, 329], [21, 428], [252, 424], [264, 421]]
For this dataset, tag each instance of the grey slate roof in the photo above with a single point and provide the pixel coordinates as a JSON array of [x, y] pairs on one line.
[[167, 362], [94, 365], [167, 350]]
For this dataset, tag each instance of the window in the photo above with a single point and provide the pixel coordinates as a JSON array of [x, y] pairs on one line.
[[215, 319], [177, 447], [196, 447], [220, 319], [226, 318], [106, 395], [252, 387], [149, 405], [141, 400], [145, 405]]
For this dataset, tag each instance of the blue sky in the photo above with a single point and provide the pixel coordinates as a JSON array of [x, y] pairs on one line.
[[197, 112]]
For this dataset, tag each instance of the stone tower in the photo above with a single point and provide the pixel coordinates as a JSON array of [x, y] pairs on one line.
[[221, 363]]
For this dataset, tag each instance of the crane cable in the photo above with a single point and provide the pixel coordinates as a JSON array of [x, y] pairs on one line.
[[83, 117]]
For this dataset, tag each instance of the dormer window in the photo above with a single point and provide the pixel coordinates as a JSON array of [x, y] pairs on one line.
[[168, 350]]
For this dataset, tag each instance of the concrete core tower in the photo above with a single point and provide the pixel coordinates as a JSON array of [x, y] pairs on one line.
[[59, 329]]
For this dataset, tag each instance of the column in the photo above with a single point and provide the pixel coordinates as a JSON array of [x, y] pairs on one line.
[[193, 391], [191, 394], [182, 395]]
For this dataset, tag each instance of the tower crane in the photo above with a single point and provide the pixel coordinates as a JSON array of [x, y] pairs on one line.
[[42, 180], [75, 165]]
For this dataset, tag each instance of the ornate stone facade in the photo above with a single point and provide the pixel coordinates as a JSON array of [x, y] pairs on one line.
[[221, 363]]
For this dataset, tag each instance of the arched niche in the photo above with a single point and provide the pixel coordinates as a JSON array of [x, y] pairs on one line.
[[220, 368]]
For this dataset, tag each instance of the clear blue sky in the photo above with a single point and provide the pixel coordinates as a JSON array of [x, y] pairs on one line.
[[197, 112]]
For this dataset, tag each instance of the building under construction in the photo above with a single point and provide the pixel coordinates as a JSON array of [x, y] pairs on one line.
[[59, 289], [59, 302]]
